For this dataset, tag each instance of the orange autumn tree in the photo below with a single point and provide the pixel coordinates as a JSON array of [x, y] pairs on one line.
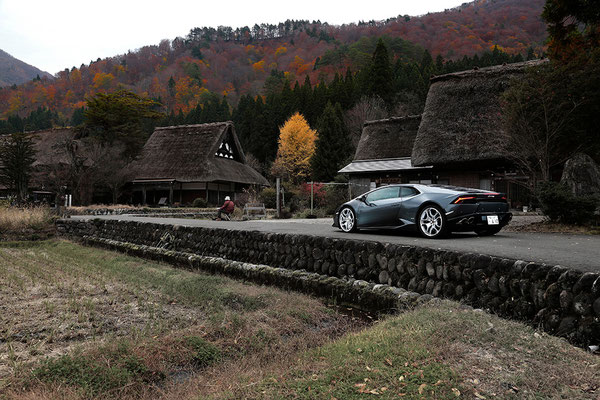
[[296, 148]]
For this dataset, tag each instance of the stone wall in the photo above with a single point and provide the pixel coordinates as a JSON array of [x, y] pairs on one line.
[[560, 300]]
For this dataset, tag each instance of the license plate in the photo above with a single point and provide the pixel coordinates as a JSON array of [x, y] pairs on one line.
[[493, 220]]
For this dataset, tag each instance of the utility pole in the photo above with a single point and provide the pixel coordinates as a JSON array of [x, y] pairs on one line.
[[278, 185], [311, 197]]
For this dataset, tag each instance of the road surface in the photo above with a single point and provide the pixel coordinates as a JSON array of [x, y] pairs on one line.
[[576, 251]]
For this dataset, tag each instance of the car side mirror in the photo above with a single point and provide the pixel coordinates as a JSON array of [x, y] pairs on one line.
[[363, 198]]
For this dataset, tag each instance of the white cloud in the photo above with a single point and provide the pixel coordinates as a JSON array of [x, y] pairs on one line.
[[54, 35]]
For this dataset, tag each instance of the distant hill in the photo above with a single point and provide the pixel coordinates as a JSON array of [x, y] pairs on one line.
[[235, 62], [16, 72]]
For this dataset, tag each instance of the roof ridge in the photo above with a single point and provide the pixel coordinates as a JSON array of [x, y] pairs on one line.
[[193, 125], [493, 69], [392, 119]]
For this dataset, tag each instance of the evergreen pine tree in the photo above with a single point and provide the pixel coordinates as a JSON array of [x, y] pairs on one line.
[[381, 77], [17, 155], [333, 146]]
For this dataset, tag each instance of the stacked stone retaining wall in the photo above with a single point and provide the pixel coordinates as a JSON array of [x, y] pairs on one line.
[[562, 301]]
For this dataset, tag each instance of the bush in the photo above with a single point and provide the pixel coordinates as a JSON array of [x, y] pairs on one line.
[[269, 197], [199, 203], [334, 197], [560, 205], [92, 374], [203, 352]]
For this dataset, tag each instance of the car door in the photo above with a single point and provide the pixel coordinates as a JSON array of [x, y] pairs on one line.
[[380, 208]]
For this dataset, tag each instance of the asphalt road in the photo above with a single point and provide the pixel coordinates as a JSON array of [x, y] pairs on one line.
[[576, 251]]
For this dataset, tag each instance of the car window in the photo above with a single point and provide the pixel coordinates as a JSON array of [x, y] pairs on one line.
[[408, 192], [382, 194]]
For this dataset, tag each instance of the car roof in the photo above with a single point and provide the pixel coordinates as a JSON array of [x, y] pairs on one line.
[[435, 188]]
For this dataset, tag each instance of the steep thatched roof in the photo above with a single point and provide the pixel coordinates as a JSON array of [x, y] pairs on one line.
[[462, 121], [387, 138], [188, 153], [50, 146]]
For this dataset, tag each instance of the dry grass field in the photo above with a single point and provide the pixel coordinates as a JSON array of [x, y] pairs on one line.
[[25, 223], [79, 322]]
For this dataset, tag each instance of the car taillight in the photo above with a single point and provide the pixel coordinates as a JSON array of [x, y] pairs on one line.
[[464, 199]]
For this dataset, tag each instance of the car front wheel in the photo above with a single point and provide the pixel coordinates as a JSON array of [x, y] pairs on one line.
[[432, 222], [347, 220]]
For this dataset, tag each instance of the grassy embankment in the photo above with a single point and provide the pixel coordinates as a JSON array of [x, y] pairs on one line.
[[79, 322]]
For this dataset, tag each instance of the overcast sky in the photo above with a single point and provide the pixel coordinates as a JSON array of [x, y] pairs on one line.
[[56, 34]]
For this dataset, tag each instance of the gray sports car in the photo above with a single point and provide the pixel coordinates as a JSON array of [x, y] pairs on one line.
[[433, 210]]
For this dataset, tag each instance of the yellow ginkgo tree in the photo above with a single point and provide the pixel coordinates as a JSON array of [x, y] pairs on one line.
[[296, 148]]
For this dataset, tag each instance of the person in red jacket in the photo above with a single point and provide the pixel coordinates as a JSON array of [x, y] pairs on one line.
[[226, 209]]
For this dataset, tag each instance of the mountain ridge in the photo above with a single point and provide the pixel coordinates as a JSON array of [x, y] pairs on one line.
[[15, 72]]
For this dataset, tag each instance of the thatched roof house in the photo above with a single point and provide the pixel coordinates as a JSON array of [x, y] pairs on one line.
[[462, 120], [385, 144], [203, 160], [383, 153]]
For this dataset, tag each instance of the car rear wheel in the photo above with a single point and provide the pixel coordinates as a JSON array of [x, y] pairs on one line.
[[488, 231], [432, 222], [347, 220]]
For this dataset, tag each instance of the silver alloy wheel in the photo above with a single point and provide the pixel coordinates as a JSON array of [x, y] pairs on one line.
[[431, 221], [347, 220]]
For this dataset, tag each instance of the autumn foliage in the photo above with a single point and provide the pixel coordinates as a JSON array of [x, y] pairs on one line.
[[296, 148], [178, 73]]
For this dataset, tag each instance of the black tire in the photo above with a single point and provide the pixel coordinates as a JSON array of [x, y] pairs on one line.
[[347, 220], [489, 231], [431, 222]]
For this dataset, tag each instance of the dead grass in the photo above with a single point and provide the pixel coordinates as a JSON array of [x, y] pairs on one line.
[[25, 223], [15, 219], [79, 305], [440, 351], [553, 227]]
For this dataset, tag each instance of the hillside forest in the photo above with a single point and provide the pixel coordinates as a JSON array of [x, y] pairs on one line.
[[236, 62]]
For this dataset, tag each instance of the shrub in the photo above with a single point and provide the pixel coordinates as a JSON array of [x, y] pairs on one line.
[[560, 205], [203, 352], [334, 197], [94, 375], [318, 194], [269, 197], [199, 203]]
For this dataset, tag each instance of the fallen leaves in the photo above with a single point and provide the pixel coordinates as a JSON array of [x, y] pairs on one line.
[[362, 388]]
